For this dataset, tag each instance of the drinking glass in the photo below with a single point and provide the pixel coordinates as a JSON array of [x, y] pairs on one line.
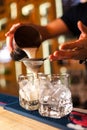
[[54, 95], [28, 91]]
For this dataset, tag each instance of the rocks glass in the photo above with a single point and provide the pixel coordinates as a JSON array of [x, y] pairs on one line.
[[54, 95], [28, 91]]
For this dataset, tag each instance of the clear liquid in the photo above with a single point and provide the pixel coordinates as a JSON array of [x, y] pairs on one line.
[[28, 105], [55, 110], [28, 94]]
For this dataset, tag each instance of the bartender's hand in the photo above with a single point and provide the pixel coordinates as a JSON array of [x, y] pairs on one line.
[[73, 50], [10, 35]]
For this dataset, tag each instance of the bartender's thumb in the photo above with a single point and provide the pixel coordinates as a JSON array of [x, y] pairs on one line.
[[82, 28], [9, 41]]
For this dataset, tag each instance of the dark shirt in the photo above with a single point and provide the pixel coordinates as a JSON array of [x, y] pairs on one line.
[[73, 15], [68, 4]]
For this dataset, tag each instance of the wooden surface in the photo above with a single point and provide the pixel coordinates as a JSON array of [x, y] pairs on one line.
[[12, 121]]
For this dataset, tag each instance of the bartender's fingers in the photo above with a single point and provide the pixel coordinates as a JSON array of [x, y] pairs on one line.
[[63, 54], [82, 28], [79, 44], [9, 43], [12, 29], [71, 45], [59, 55]]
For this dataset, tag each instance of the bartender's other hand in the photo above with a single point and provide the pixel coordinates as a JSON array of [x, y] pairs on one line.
[[76, 54], [81, 43], [73, 50]]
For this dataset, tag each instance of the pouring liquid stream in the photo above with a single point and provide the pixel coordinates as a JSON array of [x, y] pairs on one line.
[[28, 38], [32, 65]]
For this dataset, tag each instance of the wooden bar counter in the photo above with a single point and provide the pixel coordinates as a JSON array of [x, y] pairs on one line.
[[13, 121]]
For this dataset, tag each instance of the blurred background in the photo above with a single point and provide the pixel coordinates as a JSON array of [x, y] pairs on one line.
[[39, 12]]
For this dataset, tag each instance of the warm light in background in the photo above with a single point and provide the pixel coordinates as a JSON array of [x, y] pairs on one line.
[[4, 55], [27, 9], [13, 8]]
